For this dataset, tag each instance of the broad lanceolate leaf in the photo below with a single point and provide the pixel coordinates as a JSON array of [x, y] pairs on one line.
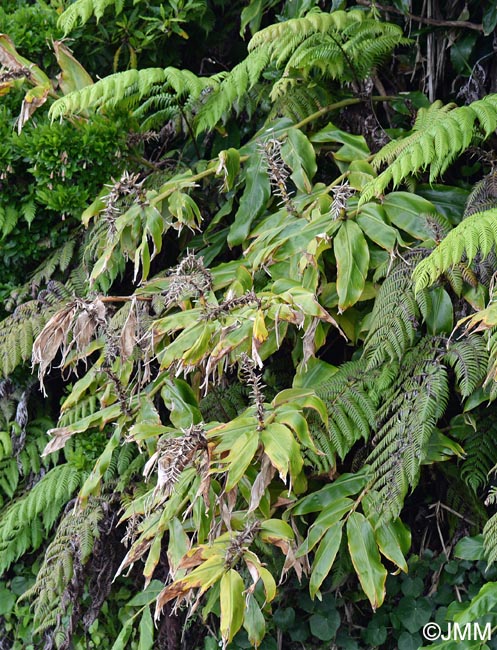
[[366, 558], [254, 198], [282, 449], [232, 604], [352, 256], [325, 556], [299, 154]]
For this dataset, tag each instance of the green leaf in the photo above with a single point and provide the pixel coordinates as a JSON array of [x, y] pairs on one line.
[[232, 604], [414, 612], [484, 602], [228, 167], [254, 198], [354, 146], [408, 212], [325, 557], [470, 548], [366, 558], [346, 485], [73, 76], [440, 315], [240, 457], [146, 631], [7, 601], [394, 540], [299, 155], [282, 449], [352, 256], [179, 398], [372, 221], [254, 622], [324, 627], [489, 18]]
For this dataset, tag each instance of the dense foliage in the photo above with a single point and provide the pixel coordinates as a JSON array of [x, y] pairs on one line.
[[248, 291]]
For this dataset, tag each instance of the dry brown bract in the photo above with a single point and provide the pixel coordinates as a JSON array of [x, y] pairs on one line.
[[72, 326]]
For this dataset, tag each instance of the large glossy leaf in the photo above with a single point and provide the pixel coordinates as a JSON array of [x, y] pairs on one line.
[[352, 256], [253, 200], [366, 558], [409, 212], [299, 154]]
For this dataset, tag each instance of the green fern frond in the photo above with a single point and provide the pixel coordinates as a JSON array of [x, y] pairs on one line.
[[396, 314], [490, 539], [405, 422], [439, 135], [476, 235], [301, 99], [469, 359], [81, 11], [340, 44], [351, 408], [131, 86], [70, 549], [25, 522]]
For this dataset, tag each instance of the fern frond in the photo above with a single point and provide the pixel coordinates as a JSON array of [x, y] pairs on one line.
[[131, 86], [396, 314], [25, 522], [490, 539], [469, 359], [351, 407], [340, 44], [439, 135], [70, 549], [18, 331], [406, 420], [476, 235], [81, 11]]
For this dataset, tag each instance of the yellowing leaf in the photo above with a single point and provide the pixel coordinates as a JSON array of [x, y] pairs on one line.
[[282, 449], [325, 556], [366, 558], [232, 604]]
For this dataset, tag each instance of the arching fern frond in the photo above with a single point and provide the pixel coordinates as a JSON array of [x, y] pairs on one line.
[[343, 45], [130, 87], [476, 235], [439, 135], [406, 420], [69, 550]]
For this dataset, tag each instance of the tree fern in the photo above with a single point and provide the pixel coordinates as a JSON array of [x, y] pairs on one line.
[[130, 87], [439, 135], [351, 409], [71, 548], [25, 522], [405, 421], [476, 235], [81, 11], [337, 45], [396, 314]]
